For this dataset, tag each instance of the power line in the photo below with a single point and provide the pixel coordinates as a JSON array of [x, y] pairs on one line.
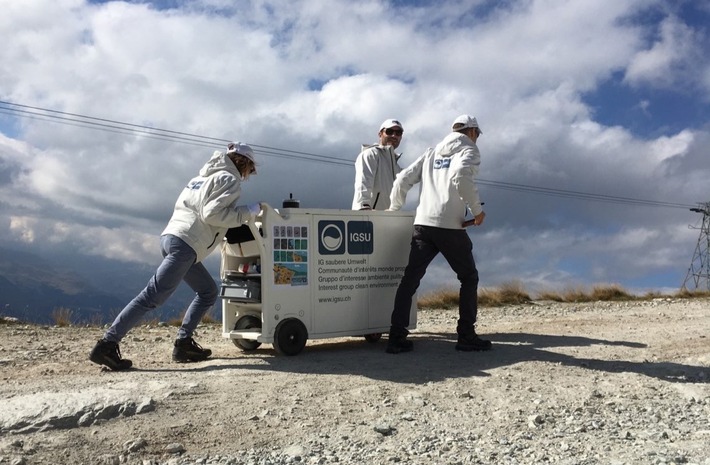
[[103, 124], [578, 194], [119, 127], [105, 128]]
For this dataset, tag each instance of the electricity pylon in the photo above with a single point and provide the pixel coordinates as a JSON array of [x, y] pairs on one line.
[[699, 271]]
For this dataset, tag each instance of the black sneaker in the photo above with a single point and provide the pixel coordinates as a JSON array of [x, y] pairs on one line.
[[187, 350], [108, 354], [471, 342], [398, 343]]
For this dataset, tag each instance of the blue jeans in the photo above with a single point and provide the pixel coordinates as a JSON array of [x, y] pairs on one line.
[[178, 265], [456, 247]]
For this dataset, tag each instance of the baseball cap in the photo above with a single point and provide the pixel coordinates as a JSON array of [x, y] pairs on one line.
[[390, 123], [243, 150], [467, 122]]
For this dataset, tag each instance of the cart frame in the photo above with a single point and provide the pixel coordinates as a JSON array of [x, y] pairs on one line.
[[312, 274]]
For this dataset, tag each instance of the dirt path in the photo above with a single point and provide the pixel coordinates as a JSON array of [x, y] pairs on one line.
[[572, 384]]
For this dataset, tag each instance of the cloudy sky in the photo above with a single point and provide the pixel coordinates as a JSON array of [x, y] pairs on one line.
[[595, 116]]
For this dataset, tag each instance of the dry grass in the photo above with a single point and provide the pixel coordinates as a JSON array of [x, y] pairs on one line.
[[514, 292], [610, 292], [96, 321], [686, 294], [551, 295], [509, 293], [207, 319], [62, 316], [445, 298], [653, 295]]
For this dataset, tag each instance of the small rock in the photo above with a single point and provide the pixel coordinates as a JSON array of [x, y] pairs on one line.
[[175, 448], [135, 445], [109, 460], [295, 451], [384, 429], [535, 421], [145, 406]]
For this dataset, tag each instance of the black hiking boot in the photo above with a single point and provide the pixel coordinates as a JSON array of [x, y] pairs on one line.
[[107, 353], [187, 350], [471, 342], [397, 342]]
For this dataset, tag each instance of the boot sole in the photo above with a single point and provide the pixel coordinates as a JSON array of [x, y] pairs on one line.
[[189, 360], [110, 366], [472, 349]]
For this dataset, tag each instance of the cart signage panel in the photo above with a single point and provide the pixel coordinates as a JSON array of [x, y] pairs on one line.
[[335, 238]]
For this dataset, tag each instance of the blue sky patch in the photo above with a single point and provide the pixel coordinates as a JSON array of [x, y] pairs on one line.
[[644, 111]]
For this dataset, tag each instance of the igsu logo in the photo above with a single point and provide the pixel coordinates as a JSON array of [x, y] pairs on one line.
[[332, 237], [335, 237], [442, 163], [360, 237]]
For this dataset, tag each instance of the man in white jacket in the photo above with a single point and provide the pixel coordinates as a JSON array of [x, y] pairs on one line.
[[376, 167], [205, 209], [448, 189]]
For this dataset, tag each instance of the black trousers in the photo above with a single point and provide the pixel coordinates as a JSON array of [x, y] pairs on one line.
[[456, 247]]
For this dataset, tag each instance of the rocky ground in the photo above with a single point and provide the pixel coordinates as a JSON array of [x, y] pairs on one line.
[[598, 383]]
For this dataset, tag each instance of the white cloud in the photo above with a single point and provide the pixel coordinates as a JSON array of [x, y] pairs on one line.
[[115, 243], [246, 72], [672, 59]]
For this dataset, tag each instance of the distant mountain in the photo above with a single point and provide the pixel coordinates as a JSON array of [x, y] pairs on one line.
[[94, 289], [32, 289]]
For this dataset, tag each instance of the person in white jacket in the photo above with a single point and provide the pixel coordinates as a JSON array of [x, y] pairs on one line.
[[204, 211], [376, 167], [448, 190]]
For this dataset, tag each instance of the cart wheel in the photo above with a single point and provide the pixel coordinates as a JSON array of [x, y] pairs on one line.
[[290, 337], [373, 337], [247, 322]]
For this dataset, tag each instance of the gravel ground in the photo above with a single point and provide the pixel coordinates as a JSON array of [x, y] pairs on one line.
[[598, 383]]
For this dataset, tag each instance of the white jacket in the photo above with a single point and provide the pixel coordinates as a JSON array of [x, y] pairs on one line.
[[375, 169], [207, 207], [447, 174]]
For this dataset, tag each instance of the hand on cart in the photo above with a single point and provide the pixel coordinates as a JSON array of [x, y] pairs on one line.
[[475, 221], [255, 208]]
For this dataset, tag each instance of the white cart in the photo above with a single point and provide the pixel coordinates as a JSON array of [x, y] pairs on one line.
[[296, 274]]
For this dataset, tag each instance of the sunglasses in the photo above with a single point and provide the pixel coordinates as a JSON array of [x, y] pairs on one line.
[[394, 132]]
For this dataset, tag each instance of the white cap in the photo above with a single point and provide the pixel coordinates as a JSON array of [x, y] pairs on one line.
[[391, 123], [241, 149], [467, 122]]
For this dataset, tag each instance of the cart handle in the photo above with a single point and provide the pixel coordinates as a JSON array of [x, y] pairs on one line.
[[265, 207]]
